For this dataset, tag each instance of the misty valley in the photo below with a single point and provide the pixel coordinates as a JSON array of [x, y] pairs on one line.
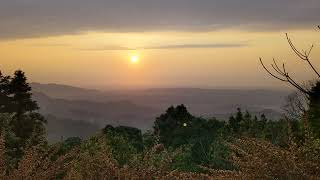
[[88, 110], [159, 89]]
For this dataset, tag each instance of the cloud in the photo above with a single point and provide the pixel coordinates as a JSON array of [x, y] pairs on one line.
[[106, 48], [197, 46], [37, 18], [175, 46], [50, 45]]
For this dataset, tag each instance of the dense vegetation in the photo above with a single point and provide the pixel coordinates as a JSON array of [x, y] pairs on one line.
[[180, 145]]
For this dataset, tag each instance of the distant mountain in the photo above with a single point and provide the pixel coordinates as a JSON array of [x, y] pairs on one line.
[[115, 113], [139, 108], [60, 128], [64, 91]]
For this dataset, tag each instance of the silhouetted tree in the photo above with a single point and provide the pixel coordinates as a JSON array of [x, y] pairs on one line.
[[314, 109], [4, 93], [21, 95], [23, 107], [25, 124], [172, 126]]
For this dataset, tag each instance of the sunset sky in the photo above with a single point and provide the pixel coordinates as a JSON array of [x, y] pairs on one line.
[[177, 43]]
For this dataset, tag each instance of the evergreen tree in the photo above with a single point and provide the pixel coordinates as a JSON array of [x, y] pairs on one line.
[[314, 109], [20, 90], [246, 124], [235, 122], [25, 124], [4, 93]]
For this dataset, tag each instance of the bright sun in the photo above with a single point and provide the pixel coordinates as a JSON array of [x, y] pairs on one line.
[[134, 59]]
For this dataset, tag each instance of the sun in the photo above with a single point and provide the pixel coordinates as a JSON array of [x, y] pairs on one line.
[[134, 59]]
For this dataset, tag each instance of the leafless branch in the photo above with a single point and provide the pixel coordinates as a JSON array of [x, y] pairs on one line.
[[304, 54], [283, 75], [296, 105]]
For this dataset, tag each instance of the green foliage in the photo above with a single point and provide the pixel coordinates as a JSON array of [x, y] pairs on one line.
[[132, 134], [149, 139], [173, 126], [277, 132], [183, 161], [219, 155], [13, 151], [124, 142], [69, 144], [121, 148], [314, 109], [197, 137], [235, 122], [251, 126]]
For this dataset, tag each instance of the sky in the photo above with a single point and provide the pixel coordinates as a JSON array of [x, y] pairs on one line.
[[178, 43]]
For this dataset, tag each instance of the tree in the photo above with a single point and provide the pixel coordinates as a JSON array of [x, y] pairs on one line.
[[21, 95], [26, 119], [25, 125], [314, 109], [133, 135], [4, 93], [172, 127], [235, 122], [296, 106], [312, 115]]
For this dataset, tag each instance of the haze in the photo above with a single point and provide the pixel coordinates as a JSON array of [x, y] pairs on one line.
[[180, 43]]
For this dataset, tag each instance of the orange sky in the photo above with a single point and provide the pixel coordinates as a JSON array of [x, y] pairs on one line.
[[217, 59]]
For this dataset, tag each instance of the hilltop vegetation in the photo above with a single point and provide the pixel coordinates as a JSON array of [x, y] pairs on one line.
[[179, 146]]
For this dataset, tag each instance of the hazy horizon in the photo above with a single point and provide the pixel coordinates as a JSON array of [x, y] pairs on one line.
[[284, 87], [179, 43]]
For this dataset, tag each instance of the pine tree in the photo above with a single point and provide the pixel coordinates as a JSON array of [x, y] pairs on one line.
[[26, 121], [235, 122], [4, 93], [314, 110]]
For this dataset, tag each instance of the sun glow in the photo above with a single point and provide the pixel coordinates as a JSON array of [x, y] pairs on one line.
[[134, 59]]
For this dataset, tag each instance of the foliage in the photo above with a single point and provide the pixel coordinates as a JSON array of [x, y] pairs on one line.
[[314, 109], [181, 146], [131, 134], [124, 142], [173, 126], [245, 124], [23, 125], [264, 160]]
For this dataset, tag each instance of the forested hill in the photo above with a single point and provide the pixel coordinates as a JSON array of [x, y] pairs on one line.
[[138, 108]]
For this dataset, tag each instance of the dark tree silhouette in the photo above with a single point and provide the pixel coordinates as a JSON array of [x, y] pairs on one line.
[[4, 93], [173, 124], [25, 123], [21, 95], [21, 104]]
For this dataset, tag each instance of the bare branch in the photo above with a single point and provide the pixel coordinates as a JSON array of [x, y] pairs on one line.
[[270, 72], [283, 75], [304, 55]]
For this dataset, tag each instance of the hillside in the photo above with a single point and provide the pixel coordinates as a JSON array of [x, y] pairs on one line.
[[138, 108]]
